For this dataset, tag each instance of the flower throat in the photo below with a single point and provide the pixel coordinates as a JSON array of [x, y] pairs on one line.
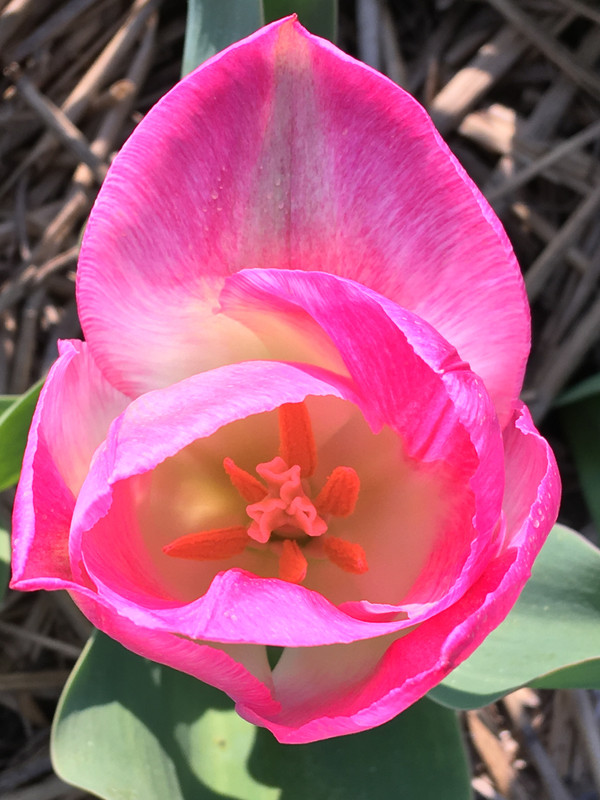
[[282, 516]]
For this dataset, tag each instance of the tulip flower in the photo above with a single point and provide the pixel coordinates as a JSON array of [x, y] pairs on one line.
[[294, 420]]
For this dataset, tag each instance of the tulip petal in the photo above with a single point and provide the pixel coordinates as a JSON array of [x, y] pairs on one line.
[[240, 670], [75, 409], [381, 685], [401, 367], [386, 372], [106, 543], [282, 152]]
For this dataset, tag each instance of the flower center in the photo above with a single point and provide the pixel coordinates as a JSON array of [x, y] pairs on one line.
[[286, 507], [282, 515]]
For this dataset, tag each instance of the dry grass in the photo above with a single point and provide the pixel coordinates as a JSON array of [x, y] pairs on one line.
[[514, 87]]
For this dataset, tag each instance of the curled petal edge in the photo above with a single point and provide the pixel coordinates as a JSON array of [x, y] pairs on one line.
[[418, 661]]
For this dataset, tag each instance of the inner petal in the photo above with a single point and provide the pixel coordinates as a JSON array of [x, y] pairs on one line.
[[402, 519]]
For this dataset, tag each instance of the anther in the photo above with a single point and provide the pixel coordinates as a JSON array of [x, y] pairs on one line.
[[249, 487], [209, 545], [339, 494], [292, 562], [297, 441], [348, 556]]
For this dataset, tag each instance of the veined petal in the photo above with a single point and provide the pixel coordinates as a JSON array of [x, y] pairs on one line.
[[383, 681], [282, 152], [75, 409]]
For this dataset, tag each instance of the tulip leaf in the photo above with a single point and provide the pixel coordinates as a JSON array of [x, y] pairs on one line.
[[550, 639], [579, 410], [4, 559], [318, 16], [129, 728], [15, 420], [211, 26], [585, 675], [590, 387], [6, 400]]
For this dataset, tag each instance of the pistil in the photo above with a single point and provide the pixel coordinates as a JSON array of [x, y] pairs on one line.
[[285, 507]]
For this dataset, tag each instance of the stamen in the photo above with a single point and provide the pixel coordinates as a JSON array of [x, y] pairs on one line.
[[292, 563], [297, 442], [339, 494], [348, 556], [250, 488], [209, 545]]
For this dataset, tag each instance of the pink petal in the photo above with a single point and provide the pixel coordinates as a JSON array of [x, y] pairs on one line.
[[282, 152], [387, 375], [74, 411], [393, 357], [240, 670], [379, 685], [106, 545]]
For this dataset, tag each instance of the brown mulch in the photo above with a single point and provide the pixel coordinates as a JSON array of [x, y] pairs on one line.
[[514, 87]]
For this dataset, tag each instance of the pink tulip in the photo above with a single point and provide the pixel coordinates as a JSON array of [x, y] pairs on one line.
[[295, 418]]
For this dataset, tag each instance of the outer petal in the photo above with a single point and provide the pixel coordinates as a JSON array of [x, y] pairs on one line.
[[282, 152], [73, 414], [240, 670], [381, 686]]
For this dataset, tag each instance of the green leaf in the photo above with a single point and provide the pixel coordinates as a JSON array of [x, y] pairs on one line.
[[420, 751], [551, 636], [212, 26], [585, 675], [127, 728], [14, 426], [4, 560], [580, 416], [319, 16], [6, 400], [590, 387]]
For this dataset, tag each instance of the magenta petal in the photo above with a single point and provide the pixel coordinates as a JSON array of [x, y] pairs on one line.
[[386, 374], [241, 671], [75, 409], [282, 152], [105, 544], [400, 366], [379, 686]]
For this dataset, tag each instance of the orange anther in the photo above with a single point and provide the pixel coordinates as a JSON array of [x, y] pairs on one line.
[[209, 545], [348, 556], [340, 493], [292, 563], [297, 442], [250, 488]]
